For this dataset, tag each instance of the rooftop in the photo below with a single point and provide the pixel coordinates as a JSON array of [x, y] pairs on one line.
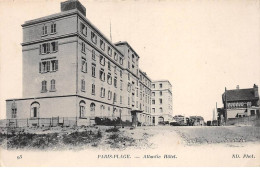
[[241, 94]]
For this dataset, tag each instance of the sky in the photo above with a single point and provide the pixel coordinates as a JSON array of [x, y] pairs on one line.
[[201, 47]]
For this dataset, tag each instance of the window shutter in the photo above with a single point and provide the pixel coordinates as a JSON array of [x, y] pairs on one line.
[[48, 66], [56, 65], [56, 46], [40, 49], [40, 67]]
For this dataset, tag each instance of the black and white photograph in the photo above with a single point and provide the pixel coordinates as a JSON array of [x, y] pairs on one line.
[[130, 83]]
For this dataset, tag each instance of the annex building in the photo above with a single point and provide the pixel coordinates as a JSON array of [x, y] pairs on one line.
[[70, 69], [162, 101]]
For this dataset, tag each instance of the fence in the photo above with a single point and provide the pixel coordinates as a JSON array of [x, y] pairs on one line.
[[66, 121]]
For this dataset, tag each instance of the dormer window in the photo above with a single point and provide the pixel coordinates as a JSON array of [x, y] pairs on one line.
[[115, 56], [93, 37], [83, 29], [102, 60], [121, 60], [109, 51], [102, 45]]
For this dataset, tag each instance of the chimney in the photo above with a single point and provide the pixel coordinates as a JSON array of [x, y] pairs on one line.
[[256, 90], [237, 87], [72, 4]]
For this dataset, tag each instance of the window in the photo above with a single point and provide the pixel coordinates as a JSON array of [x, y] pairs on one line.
[[128, 87], [153, 94], [93, 68], [93, 55], [160, 93], [54, 46], [44, 86], [121, 100], [128, 101], [102, 60], [115, 82], [109, 50], [83, 85], [83, 47], [114, 99], [35, 109], [102, 75], [93, 37], [160, 101], [48, 66], [161, 110], [121, 73], [133, 57], [153, 86], [102, 45], [160, 85], [115, 56], [153, 109], [109, 95], [50, 47], [102, 92], [53, 85], [44, 30], [109, 78], [121, 60], [83, 29], [128, 64], [53, 28], [153, 101], [82, 110], [83, 65], [108, 65], [93, 89], [14, 110], [121, 85], [128, 76], [115, 69], [92, 107]]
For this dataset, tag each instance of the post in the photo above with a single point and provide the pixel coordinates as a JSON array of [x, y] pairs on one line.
[[38, 122], [50, 121], [63, 122], [76, 121], [27, 122], [225, 106]]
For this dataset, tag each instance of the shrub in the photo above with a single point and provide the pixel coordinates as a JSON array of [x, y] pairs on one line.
[[114, 129]]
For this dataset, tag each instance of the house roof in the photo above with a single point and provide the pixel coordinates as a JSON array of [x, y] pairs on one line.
[[240, 95]]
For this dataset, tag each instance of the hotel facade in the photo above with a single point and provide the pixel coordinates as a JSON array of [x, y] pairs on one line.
[[70, 69]]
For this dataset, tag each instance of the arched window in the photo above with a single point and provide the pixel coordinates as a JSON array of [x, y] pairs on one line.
[[102, 108], [82, 109], [35, 106], [92, 107]]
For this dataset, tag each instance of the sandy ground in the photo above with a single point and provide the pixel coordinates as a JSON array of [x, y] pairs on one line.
[[192, 146]]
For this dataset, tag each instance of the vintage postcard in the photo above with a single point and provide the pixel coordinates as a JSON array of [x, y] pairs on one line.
[[129, 83]]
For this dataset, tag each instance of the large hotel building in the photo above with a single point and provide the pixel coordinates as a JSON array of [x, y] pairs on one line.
[[70, 69]]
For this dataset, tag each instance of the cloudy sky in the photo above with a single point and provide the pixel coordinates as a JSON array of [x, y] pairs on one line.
[[200, 46]]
